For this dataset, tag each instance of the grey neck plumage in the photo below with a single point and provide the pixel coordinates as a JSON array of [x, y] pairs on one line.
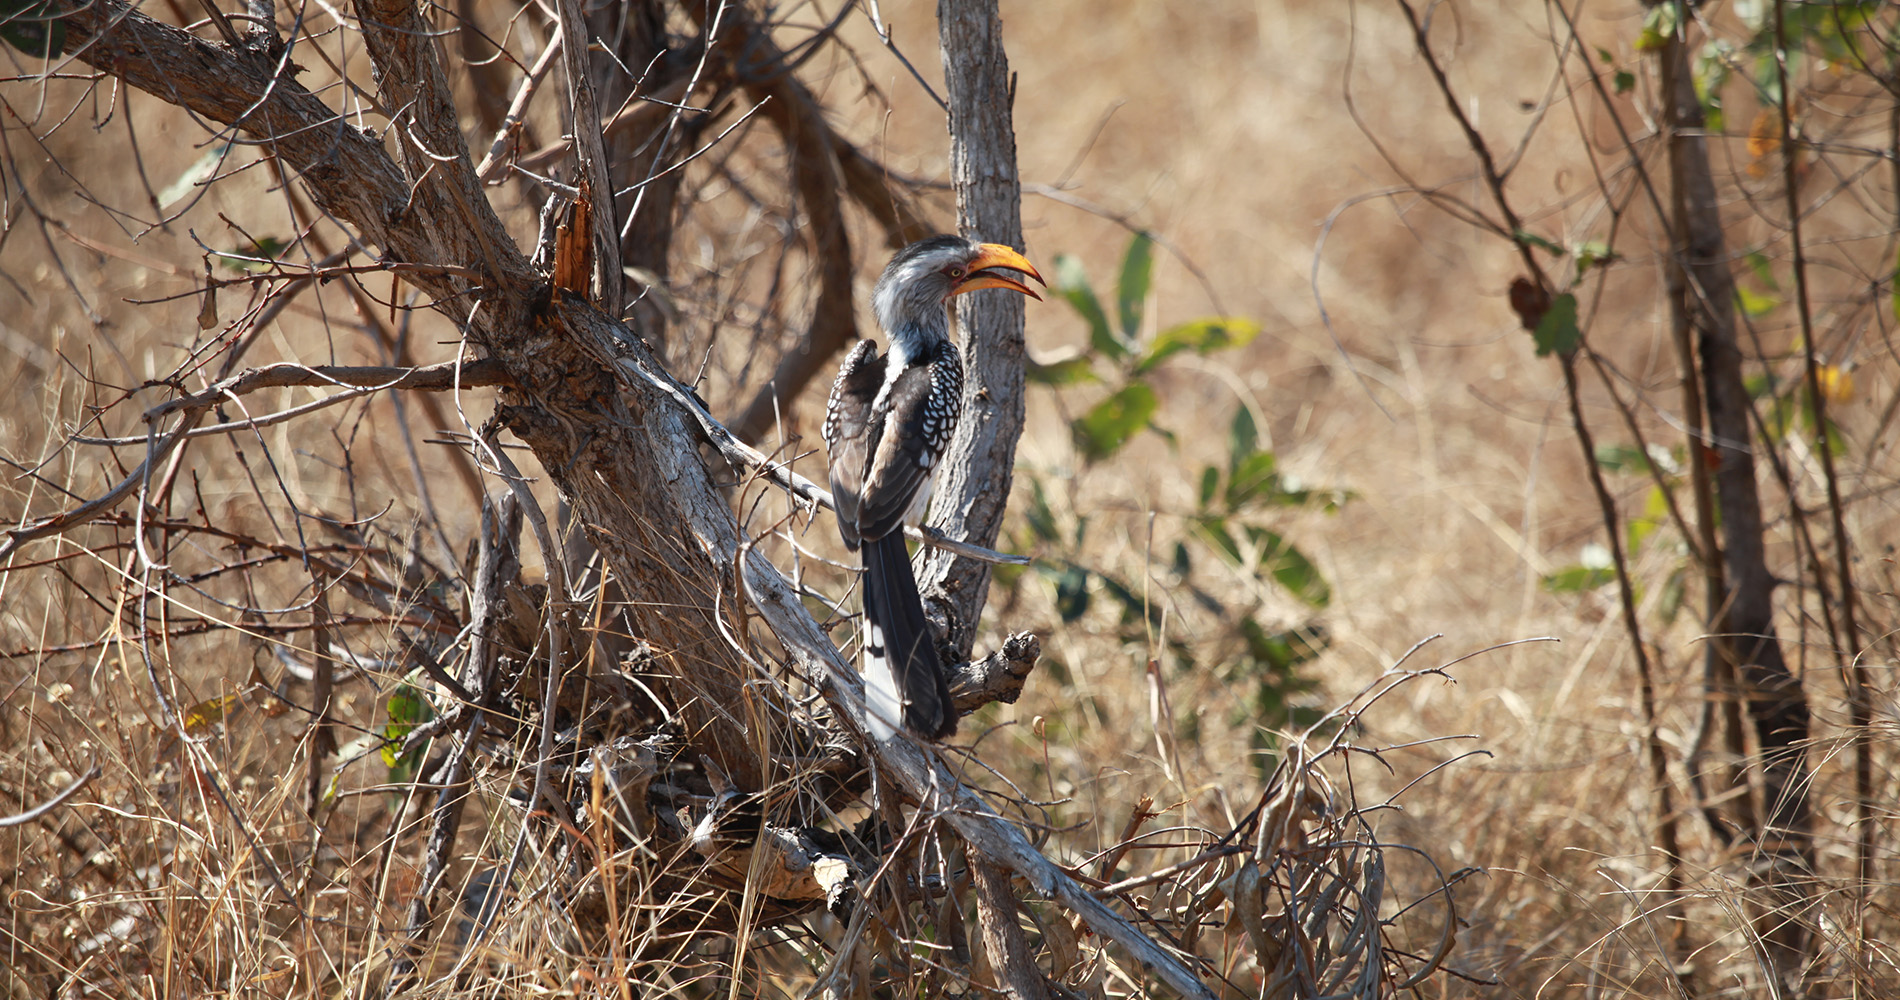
[[915, 324]]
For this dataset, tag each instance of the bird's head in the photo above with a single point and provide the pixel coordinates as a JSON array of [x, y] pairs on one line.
[[924, 276]]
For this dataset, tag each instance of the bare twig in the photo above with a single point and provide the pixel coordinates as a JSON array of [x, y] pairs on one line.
[[746, 457], [818, 179], [493, 161], [44, 808], [1853, 671], [1665, 814]]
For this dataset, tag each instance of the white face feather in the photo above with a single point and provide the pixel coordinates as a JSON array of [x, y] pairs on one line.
[[910, 299]]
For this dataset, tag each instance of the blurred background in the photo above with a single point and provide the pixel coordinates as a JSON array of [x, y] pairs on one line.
[[1303, 438]]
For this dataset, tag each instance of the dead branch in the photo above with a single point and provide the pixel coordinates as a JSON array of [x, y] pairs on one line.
[[159, 447], [620, 449], [998, 676], [1003, 938], [591, 145], [710, 523], [817, 178], [507, 132], [887, 197], [60, 799], [749, 459]]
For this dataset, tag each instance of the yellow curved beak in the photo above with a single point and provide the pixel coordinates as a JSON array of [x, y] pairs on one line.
[[996, 255]]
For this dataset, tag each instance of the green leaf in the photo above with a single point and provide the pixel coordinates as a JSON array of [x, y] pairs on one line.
[[1604, 55], [1007, 576], [1214, 529], [1182, 563], [1289, 567], [1282, 651], [407, 708], [1754, 303], [1836, 441], [1131, 292], [1531, 239], [1576, 579], [1103, 430], [1763, 269], [1210, 481], [33, 28], [1243, 438], [1711, 72], [402, 768], [1254, 480], [1042, 520], [1659, 25], [1072, 592], [1202, 336], [1674, 590], [1072, 283], [256, 257], [1133, 607], [1624, 81], [1593, 253], [1767, 78], [1826, 27], [1622, 458], [1557, 331], [1068, 371], [1271, 661], [1655, 512], [200, 718], [1779, 417], [1207, 601], [1059, 675]]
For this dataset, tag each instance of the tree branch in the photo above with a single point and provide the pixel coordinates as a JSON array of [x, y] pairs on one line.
[[818, 179], [973, 489]]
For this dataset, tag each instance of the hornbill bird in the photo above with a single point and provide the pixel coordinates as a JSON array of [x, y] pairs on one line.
[[887, 426]]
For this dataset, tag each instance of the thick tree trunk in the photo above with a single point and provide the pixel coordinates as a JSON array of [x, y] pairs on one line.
[[612, 429], [973, 489], [432, 212], [1775, 700]]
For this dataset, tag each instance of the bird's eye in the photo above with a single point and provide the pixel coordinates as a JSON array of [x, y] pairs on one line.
[[956, 272]]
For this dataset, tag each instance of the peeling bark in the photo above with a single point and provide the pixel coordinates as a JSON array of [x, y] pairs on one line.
[[973, 490]]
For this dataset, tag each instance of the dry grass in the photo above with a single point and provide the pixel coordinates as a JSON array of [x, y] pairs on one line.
[[1225, 129]]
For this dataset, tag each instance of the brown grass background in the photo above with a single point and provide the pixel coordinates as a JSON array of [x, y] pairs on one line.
[[1228, 129]]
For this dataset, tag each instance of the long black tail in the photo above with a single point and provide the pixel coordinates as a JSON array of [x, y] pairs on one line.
[[902, 678]]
